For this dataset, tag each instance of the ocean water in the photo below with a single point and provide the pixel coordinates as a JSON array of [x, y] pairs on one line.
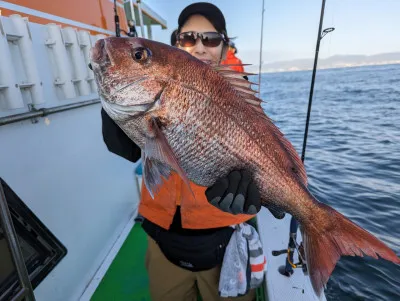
[[352, 160]]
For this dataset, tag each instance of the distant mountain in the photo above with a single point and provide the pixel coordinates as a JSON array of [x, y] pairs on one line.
[[336, 61]]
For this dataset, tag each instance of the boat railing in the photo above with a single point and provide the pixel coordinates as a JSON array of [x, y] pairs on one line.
[[43, 69]]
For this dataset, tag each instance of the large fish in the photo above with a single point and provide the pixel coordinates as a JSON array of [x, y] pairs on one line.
[[202, 122]]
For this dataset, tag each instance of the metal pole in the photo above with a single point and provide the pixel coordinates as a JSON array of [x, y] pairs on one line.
[[293, 223], [20, 295], [44, 112], [140, 17], [133, 11], [12, 240], [149, 32], [261, 44]]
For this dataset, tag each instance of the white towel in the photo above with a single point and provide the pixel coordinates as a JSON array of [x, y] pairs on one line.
[[244, 263]]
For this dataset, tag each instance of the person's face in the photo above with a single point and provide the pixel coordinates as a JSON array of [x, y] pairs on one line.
[[198, 23]]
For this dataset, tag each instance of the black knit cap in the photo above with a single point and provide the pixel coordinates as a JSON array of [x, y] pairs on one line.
[[207, 10], [173, 37]]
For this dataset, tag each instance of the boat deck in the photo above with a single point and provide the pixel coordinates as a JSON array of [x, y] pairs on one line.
[[126, 279]]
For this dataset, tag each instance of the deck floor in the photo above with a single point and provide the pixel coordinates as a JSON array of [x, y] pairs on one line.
[[126, 279]]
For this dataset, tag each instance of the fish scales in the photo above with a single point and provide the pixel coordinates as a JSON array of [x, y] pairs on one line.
[[202, 122]]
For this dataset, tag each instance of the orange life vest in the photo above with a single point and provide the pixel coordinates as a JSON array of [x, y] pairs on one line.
[[231, 59], [196, 213]]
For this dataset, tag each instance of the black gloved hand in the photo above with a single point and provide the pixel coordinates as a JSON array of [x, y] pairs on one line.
[[236, 193]]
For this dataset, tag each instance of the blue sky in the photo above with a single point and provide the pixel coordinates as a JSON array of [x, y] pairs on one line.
[[290, 26]]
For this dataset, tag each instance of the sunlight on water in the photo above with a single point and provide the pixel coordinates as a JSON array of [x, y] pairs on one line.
[[352, 160]]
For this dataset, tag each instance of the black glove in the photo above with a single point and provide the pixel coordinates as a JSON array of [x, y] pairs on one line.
[[236, 193], [117, 141]]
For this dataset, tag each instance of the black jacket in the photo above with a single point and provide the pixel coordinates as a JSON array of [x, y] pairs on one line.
[[117, 141]]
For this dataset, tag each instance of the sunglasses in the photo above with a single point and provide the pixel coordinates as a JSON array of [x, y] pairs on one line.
[[209, 39]]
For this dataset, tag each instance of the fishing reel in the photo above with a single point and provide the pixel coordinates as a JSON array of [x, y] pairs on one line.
[[288, 269], [131, 25]]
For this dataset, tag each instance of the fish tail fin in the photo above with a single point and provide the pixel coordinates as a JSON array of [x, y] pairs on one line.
[[324, 243]]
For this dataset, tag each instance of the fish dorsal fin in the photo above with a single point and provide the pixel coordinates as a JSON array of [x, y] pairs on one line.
[[227, 71], [228, 68], [158, 159], [243, 87]]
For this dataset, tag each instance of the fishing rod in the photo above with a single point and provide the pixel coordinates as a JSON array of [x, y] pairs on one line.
[[116, 20], [131, 24], [261, 43], [287, 269]]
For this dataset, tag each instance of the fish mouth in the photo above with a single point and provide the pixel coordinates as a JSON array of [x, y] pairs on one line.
[[131, 110], [100, 57], [107, 95], [99, 53]]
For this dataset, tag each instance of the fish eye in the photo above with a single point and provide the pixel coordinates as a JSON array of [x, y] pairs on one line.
[[141, 54]]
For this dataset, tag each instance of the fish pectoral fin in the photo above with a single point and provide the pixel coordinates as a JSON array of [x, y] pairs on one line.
[[159, 159], [153, 171]]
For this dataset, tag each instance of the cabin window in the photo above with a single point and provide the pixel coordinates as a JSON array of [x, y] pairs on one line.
[[41, 250]]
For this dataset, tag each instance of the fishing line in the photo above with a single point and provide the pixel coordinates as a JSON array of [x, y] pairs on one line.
[[333, 25], [261, 44]]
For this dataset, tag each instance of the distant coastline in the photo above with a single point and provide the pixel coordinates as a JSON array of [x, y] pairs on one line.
[[333, 62]]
